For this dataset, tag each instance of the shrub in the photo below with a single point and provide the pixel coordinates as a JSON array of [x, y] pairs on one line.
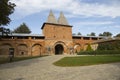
[[89, 48], [111, 45], [100, 52]]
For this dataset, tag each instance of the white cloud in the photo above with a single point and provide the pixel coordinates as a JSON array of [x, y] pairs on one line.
[[93, 23], [27, 7], [117, 26], [73, 7]]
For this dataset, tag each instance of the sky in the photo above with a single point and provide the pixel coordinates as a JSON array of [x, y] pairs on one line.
[[85, 16]]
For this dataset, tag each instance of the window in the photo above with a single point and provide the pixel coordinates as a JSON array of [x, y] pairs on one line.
[[22, 53], [86, 38], [94, 38]]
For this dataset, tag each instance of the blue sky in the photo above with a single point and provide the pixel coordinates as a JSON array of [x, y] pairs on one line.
[[85, 16]]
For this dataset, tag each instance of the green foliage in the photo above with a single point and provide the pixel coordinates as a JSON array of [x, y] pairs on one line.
[[76, 51], [112, 45], [85, 53], [79, 33], [100, 52], [73, 34], [89, 48], [23, 28], [91, 34], [86, 60], [100, 34], [107, 34], [6, 8], [5, 31], [118, 35]]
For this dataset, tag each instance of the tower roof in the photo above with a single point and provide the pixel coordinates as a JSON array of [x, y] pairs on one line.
[[51, 18], [62, 19]]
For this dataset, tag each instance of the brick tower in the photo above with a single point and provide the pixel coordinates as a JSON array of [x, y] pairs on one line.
[[58, 34]]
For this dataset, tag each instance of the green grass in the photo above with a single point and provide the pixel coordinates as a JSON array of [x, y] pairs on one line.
[[86, 60], [6, 59]]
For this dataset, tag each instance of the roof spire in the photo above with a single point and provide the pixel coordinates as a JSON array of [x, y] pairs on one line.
[[51, 18], [62, 19]]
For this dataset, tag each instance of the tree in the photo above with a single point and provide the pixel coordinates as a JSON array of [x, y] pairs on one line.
[[91, 34], [118, 35], [73, 34], [88, 34], [89, 48], [79, 33], [109, 45], [100, 34], [6, 8], [23, 28], [107, 34], [4, 31]]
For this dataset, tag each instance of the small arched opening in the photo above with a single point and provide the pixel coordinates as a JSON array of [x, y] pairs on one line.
[[77, 48], [22, 49], [59, 49], [4, 48], [36, 50]]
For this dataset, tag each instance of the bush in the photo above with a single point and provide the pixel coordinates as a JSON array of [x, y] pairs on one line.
[[111, 45], [89, 48], [100, 52]]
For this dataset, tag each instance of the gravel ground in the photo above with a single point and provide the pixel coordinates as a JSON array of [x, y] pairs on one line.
[[43, 69]]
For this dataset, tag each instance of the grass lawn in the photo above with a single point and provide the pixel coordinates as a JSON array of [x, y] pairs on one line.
[[6, 59], [86, 60]]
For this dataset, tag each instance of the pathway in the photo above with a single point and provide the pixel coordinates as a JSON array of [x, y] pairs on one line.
[[43, 69]]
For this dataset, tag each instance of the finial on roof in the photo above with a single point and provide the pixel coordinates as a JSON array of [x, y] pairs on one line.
[[51, 18], [62, 19]]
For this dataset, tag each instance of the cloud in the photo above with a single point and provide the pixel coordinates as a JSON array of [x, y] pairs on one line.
[[117, 26], [27, 7], [94, 23], [73, 7]]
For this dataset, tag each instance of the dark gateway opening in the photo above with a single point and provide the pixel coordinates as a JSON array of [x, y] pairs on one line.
[[59, 49]]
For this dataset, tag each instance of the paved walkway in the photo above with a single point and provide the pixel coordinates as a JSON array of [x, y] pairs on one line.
[[43, 69]]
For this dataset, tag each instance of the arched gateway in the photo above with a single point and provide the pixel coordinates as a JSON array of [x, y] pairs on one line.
[[59, 49]]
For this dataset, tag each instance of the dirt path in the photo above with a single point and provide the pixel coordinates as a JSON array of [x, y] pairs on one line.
[[43, 69]]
